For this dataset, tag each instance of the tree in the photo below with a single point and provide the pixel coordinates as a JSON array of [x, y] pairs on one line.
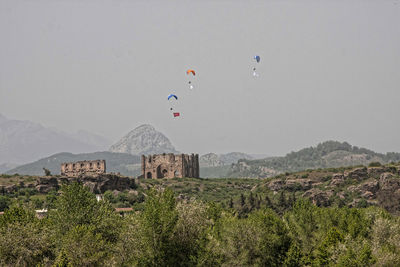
[[47, 172], [268, 203], [18, 215], [82, 245], [242, 200], [230, 203], [24, 240], [4, 202], [259, 240], [51, 198], [151, 234], [303, 225], [252, 201], [282, 204], [78, 213]]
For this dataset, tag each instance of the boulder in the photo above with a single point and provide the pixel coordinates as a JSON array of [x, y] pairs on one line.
[[376, 172], [11, 188], [318, 197], [337, 179], [276, 185], [296, 184], [47, 181], [368, 195], [92, 186], [359, 174], [387, 181], [369, 186], [45, 188]]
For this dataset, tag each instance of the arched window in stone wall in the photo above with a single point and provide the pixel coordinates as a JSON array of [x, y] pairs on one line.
[[177, 174], [162, 171], [148, 175]]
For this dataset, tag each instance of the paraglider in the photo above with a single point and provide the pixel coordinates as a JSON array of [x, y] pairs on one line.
[[257, 59], [188, 72], [191, 72], [172, 95], [173, 101]]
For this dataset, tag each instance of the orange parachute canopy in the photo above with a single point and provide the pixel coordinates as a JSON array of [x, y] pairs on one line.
[[190, 71]]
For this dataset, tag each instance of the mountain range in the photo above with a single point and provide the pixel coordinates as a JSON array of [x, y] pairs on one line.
[[23, 141]]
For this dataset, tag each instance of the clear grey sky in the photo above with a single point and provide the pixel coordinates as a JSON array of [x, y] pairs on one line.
[[328, 70]]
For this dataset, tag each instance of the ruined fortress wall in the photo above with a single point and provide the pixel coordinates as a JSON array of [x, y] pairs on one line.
[[87, 167], [170, 166]]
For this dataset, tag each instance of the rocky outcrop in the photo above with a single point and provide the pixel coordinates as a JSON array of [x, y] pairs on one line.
[[144, 140], [45, 185], [359, 174], [276, 185], [387, 181], [318, 197], [376, 172], [337, 179], [298, 184], [98, 184]]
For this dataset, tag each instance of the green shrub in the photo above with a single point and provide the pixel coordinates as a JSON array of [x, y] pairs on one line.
[[375, 164]]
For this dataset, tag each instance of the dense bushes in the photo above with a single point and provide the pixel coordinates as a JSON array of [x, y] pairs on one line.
[[84, 232]]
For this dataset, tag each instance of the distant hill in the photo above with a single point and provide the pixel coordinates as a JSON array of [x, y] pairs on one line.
[[124, 163], [216, 166], [144, 139], [7, 166], [26, 141], [214, 160], [325, 155]]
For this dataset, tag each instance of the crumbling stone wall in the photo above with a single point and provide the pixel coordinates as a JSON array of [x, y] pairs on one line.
[[170, 166], [87, 168]]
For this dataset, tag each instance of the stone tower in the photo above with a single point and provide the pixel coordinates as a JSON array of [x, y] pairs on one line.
[[170, 166]]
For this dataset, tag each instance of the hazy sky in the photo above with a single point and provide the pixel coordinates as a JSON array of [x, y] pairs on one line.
[[328, 70]]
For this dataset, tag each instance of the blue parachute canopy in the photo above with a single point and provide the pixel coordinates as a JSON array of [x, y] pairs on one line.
[[257, 58], [171, 95]]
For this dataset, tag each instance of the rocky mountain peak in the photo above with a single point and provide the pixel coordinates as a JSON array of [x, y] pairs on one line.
[[144, 139]]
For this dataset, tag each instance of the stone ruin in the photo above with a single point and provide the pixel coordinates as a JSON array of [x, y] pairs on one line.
[[83, 168], [170, 166]]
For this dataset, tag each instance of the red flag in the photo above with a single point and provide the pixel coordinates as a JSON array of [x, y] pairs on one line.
[[176, 114]]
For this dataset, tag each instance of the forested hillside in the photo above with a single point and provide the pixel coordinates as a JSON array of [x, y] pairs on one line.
[[330, 154]]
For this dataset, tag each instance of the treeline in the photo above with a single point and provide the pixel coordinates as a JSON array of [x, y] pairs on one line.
[[83, 232]]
